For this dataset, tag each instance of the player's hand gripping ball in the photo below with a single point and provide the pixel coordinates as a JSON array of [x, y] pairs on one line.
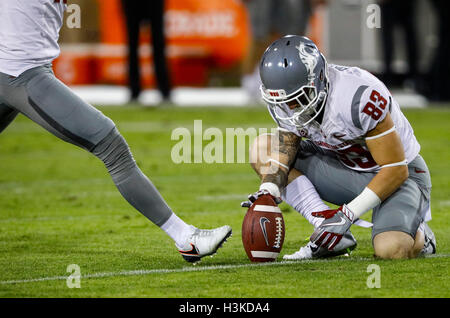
[[263, 230]]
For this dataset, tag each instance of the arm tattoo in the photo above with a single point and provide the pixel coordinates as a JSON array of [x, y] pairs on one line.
[[284, 149], [287, 144]]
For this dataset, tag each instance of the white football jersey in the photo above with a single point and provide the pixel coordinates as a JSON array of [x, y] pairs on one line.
[[29, 32], [357, 102]]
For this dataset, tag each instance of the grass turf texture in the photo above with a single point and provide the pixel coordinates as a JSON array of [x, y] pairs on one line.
[[58, 207]]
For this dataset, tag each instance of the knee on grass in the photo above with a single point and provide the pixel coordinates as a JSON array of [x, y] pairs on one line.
[[397, 245]]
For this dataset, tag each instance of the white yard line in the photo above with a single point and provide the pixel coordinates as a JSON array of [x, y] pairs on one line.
[[192, 269]]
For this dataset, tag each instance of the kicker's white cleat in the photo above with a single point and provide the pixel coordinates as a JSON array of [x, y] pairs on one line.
[[204, 242]]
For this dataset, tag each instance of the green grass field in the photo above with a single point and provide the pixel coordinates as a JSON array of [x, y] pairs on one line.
[[58, 206]]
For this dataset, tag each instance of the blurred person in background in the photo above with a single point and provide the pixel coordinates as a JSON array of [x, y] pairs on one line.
[[151, 11], [269, 20], [399, 13], [439, 87]]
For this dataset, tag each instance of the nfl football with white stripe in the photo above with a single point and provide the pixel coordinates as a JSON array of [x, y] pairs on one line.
[[263, 230]]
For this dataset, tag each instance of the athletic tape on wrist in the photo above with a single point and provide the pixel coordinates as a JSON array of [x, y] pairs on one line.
[[271, 187], [364, 202]]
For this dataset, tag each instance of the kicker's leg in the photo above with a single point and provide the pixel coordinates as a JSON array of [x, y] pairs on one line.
[[39, 95], [134, 186]]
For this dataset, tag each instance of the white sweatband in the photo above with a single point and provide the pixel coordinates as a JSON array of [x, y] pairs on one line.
[[278, 163], [395, 164], [272, 188], [384, 133], [364, 202]]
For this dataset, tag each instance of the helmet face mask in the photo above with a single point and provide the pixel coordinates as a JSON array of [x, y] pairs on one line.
[[292, 90], [304, 113]]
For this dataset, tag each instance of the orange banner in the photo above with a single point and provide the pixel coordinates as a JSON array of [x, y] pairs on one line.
[[200, 35]]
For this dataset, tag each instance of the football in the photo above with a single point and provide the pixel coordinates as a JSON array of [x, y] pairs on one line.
[[263, 230]]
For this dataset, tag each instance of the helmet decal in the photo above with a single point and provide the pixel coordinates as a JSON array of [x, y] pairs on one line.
[[309, 57]]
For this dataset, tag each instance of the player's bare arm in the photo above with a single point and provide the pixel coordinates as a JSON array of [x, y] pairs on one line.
[[387, 151], [284, 149], [280, 152]]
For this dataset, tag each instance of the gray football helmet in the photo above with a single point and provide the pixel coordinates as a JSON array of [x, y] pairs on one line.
[[292, 69]]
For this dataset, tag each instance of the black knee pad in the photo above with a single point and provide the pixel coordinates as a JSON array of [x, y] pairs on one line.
[[113, 150]]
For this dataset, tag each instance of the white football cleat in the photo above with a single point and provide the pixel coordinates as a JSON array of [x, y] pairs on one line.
[[204, 242], [305, 252], [311, 251]]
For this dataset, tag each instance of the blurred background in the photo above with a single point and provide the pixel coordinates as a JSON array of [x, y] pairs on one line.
[[198, 52]]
